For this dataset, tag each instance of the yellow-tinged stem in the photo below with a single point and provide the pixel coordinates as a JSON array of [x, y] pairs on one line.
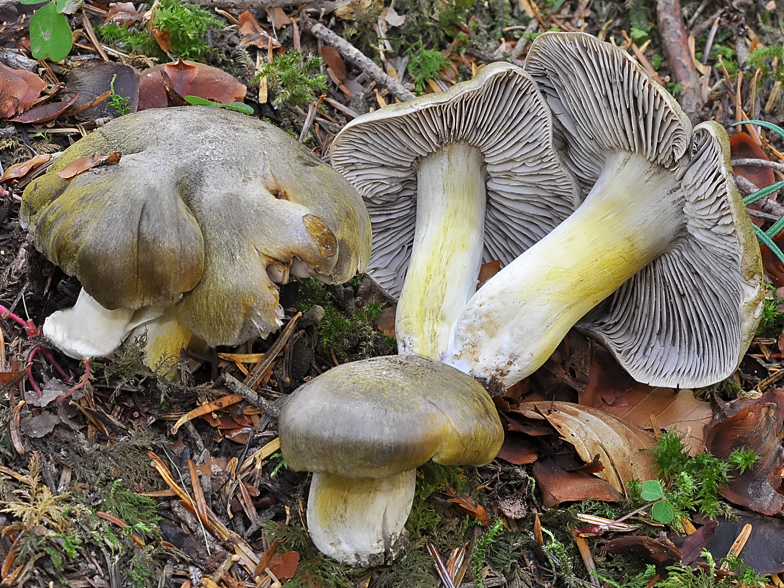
[[517, 319], [447, 249], [359, 520]]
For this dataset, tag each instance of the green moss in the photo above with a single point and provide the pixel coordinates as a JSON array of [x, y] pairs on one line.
[[424, 64], [292, 78], [186, 26]]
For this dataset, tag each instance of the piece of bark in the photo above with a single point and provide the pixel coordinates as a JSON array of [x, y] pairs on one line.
[[675, 41], [355, 56]]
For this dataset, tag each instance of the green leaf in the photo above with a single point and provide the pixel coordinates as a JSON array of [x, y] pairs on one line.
[[68, 6], [760, 194], [651, 491], [662, 512], [762, 236], [762, 123], [238, 106], [31, 1], [50, 34]]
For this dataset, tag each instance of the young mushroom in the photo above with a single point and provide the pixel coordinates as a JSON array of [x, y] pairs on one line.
[[452, 180], [659, 262], [377, 421], [206, 209]]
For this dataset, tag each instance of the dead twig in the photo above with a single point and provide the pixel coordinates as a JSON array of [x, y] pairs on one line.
[[675, 41], [758, 163], [355, 56], [251, 396]]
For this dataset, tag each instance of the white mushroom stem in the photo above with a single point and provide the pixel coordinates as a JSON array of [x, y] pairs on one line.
[[447, 250], [359, 521], [87, 329], [517, 319]]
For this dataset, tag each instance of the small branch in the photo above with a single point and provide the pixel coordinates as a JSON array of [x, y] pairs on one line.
[[675, 40], [758, 163], [251, 396], [355, 56]]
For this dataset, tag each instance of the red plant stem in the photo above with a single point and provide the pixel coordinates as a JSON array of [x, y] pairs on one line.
[[82, 383], [48, 354], [30, 372]]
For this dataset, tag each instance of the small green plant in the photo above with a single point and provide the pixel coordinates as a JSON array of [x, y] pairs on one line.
[[424, 64], [640, 28], [641, 580], [238, 106], [50, 33], [690, 482], [772, 320], [280, 465], [292, 79], [480, 550], [118, 103], [184, 26]]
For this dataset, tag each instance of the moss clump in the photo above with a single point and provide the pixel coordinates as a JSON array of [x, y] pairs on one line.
[[291, 78], [183, 25], [424, 64]]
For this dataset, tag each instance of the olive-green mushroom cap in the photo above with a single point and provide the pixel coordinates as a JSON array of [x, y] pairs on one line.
[[202, 201], [382, 416]]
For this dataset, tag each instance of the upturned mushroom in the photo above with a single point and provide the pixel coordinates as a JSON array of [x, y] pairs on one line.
[[659, 262], [206, 209], [452, 180], [378, 420]]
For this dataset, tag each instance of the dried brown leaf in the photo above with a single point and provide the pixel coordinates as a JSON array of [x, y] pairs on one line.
[[20, 170], [253, 34], [45, 112], [188, 78], [122, 14], [334, 61], [558, 485], [81, 165], [19, 89]]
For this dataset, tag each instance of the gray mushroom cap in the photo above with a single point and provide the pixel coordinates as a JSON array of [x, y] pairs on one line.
[[687, 318], [501, 113], [202, 206], [383, 416]]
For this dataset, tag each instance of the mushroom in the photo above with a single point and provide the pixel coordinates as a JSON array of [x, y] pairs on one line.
[[378, 420], [659, 262], [452, 180], [205, 210]]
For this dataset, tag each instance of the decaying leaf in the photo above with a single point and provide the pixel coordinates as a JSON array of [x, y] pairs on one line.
[[608, 382], [122, 14], [188, 78], [46, 112], [278, 17], [621, 447], [96, 78], [79, 166], [673, 409], [647, 549], [19, 89], [284, 565], [764, 550], [558, 485], [21, 169], [742, 146], [753, 424], [487, 271], [386, 321], [253, 34], [334, 62], [517, 450], [466, 505]]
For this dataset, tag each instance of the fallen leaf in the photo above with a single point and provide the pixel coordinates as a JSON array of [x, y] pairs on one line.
[[20, 170], [277, 17], [188, 79], [647, 549], [764, 550], [81, 165], [40, 425], [284, 565], [122, 14], [334, 61], [517, 450], [173, 98], [466, 505], [19, 89], [45, 112], [162, 37], [394, 19], [608, 382], [487, 271], [742, 146], [753, 424], [96, 78], [692, 546], [622, 448], [675, 410], [386, 321], [253, 34], [558, 485]]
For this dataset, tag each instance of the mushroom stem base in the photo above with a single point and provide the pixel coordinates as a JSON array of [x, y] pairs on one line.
[[360, 521]]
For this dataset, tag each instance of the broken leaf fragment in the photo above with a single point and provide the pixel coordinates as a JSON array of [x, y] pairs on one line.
[[79, 166], [19, 89], [188, 78]]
